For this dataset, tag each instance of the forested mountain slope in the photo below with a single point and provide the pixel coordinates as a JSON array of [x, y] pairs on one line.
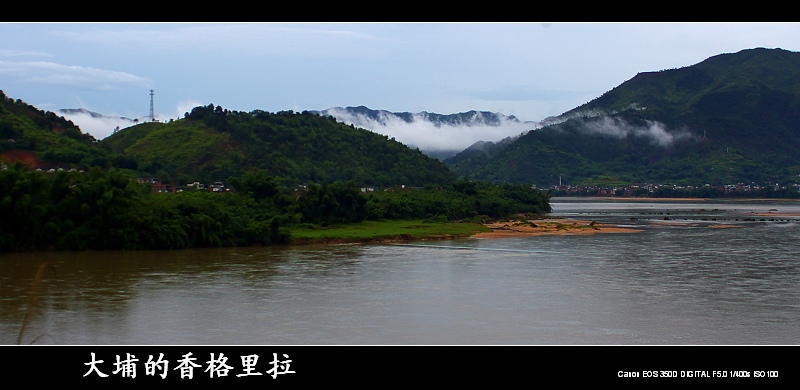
[[731, 118]]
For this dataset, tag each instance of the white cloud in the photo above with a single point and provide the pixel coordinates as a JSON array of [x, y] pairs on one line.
[[81, 77], [223, 40], [23, 53], [655, 131]]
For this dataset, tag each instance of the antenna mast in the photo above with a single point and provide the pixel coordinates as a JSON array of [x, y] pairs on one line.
[[152, 116]]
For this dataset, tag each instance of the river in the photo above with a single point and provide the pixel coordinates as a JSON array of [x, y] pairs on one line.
[[698, 272]]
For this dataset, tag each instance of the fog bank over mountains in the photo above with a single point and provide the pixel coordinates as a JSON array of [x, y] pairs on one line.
[[439, 135], [434, 132], [98, 125], [429, 132]]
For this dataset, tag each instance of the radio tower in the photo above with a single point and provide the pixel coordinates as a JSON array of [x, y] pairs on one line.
[[152, 116]]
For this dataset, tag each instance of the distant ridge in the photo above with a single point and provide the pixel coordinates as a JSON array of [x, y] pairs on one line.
[[457, 131], [383, 117]]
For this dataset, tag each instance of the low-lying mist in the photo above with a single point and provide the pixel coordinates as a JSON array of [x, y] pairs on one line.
[[429, 135], [657, 132], [98, 126], [598, 122]]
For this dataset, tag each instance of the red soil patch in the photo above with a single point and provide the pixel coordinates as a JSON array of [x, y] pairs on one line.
[[26, 157]]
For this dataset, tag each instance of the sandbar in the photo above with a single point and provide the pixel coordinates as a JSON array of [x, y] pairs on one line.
[[552, 226]]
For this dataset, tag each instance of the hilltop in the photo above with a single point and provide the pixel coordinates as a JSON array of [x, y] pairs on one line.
[[731, 118], [212, 143]]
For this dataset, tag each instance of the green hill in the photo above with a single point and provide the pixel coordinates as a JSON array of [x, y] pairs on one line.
[[212, 143], [43, 139], [731, 118]]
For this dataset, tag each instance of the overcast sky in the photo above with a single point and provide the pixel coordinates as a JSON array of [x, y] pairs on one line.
[[529, 70]]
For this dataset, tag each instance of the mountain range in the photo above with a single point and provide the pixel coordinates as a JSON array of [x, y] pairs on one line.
[[364, 116], [731, 118]]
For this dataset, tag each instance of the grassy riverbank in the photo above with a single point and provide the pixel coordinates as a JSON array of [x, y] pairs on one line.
[[391, 230], [409, 230]]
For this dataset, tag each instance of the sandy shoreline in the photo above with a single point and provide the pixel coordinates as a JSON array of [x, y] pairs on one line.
[[646, 199], [552, 226]]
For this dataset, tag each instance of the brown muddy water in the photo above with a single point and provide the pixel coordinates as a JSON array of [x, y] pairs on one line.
[[703, 272]]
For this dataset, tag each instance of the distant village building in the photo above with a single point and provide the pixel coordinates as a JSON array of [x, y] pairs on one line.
[[163, 187], [196, 186], [218, 186], [157, 185], [141, 180]]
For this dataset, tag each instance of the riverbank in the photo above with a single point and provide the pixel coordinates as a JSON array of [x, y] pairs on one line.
[[385, 231]]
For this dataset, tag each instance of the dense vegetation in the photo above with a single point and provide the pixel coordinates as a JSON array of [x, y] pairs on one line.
[[729, 119], [106, 209], [458, 201]]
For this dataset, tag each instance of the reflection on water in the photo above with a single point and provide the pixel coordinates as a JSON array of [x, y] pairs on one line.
[[703, 272]]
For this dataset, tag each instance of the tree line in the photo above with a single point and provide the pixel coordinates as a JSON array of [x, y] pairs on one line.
[[103, 209]]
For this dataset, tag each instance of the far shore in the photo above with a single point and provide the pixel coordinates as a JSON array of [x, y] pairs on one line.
[[776, 214], [628, 198], [646, 199]]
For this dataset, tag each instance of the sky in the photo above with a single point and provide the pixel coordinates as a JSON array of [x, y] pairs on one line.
[[530, 70]]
